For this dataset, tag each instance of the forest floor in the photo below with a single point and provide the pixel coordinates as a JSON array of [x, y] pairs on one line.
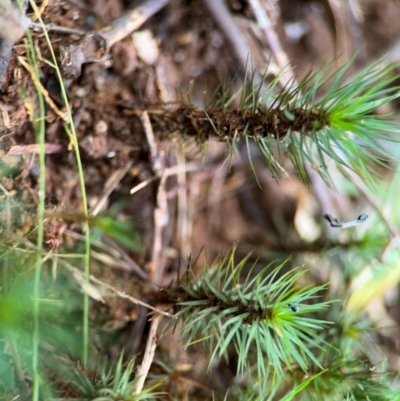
[[172, 204]]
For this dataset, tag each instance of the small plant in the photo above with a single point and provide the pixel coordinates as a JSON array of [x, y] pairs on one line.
[[113, 383], [265, 314], [340, 126]]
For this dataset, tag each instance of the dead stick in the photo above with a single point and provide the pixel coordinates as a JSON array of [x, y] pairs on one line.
[[237, 41], [134, 300], [279, 53], [130, 21], [161, 216], [57, 28], [161, 220], [148, 357]]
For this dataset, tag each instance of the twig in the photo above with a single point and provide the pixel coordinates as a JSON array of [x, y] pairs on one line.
[[108, 260], [214, 199], [156, 159], [143, 184], [57, 28], [81, 279], [343, 25], [49, 148], [130, 21], [49, 100], [161, 220], [237, 41], [326, 197], [116, 253], [41, 9], [183, 222], [125, 257], [161, 216], [194, 195], [109, 186], [272, 38], [122, 294], [201, 176], [169, 171], [148, 357]]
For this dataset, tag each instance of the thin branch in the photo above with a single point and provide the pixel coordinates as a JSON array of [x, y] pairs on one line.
[[279, 53], [133, 266], [237, 41], [161, 215], [115, 254], [161, 220], [57, 28], [148, 357], [63, 115], [49, 148], [169, 171], [109, 186], [156, 159], [122, 294], [130, 21]]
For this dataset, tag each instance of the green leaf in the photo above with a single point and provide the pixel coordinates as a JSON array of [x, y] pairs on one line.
[[253, 316]]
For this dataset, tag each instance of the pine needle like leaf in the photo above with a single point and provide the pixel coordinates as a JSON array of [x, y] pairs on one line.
[[265, 315], [341, 127]]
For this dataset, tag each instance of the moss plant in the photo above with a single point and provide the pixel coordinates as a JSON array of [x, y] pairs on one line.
[[265, 313], [110, 384], [340, 126]]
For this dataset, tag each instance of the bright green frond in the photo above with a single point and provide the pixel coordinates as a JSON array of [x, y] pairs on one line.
[[267, 317]]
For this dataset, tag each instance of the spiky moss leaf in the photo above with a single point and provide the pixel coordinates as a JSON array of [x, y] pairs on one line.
[[113, 383], [341, 126], [266, 314], [351, 134], [252, 389], [300, 387]]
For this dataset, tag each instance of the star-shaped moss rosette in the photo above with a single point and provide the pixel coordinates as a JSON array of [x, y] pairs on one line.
[[264, 315]]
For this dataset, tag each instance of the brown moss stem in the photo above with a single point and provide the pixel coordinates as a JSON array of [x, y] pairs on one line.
[[226, 125]]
